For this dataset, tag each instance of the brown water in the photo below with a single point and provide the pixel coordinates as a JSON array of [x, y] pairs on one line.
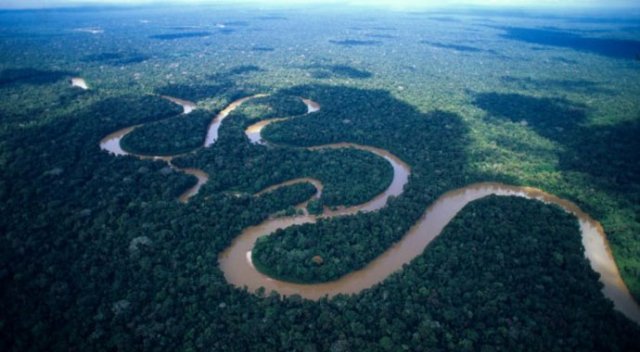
[[312, 106], [253, 131], [214, 126], [111, 144], [187, 106], [79, 82], [238, 269], [202, 179], [315, 182], [401, 172], [235, 261], [302, 206]]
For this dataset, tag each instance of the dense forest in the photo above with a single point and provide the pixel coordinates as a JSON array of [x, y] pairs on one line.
[[175, 135], [98, 254], [272, 106], [349, 176]]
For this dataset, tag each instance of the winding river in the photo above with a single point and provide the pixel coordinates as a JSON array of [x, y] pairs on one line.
[[111, 144], [236, 263]]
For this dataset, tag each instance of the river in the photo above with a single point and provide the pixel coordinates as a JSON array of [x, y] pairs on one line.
[[236, 264]]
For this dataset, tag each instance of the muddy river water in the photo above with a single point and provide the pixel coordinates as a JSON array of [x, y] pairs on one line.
[[236, 264], [79, 82], [111, 144]]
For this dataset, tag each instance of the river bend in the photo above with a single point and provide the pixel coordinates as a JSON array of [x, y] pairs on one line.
[[236, 262]]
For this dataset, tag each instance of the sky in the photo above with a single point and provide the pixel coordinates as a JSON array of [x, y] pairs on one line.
[[399, 4]]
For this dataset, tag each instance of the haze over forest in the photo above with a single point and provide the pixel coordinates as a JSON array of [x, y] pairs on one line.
[[397, 4]]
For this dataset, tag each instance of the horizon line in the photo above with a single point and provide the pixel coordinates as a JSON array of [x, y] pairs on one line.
[[399, 6]]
